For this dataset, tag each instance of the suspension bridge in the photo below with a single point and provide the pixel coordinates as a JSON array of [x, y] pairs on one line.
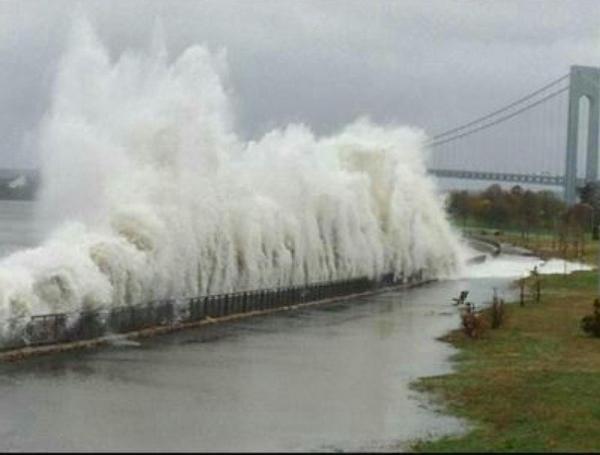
[[547, 137]]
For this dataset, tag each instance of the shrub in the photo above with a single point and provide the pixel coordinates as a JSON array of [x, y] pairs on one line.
[[590, 324], [473, 323]]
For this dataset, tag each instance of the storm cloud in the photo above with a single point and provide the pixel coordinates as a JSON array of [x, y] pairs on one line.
[[430, 64]]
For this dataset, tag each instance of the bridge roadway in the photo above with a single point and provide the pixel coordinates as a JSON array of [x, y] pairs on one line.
[[539, 179]]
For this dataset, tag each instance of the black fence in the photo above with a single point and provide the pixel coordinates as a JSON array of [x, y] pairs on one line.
[[85, 325]]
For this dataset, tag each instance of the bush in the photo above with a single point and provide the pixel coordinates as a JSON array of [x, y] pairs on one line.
[[473, 323], [591, 324]]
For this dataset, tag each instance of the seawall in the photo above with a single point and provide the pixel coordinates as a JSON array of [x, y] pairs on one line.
[[45, 334]]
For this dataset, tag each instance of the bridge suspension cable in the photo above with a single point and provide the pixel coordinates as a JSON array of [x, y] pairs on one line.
[[435, 143], [547, 137], [441, 138]]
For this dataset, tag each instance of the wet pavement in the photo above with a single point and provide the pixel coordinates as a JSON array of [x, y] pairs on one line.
[[331, 377]]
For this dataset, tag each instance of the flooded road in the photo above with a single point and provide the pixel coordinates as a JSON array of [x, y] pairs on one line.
[[334, 377]]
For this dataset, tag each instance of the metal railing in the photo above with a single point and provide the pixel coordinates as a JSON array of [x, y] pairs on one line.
[[90, 324]]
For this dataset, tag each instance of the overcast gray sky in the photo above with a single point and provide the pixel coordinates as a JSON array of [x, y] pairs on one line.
[[432, 64]]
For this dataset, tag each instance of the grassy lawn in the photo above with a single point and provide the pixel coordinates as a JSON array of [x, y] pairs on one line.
[[543, 244], [531, 385]]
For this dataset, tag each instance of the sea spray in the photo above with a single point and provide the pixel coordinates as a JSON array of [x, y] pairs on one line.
[[149, 193]]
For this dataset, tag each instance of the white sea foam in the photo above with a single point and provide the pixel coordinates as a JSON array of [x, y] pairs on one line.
[[512, 266], [149, 193]]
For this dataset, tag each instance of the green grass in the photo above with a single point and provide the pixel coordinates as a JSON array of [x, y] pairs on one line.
[[475, 225], [582, 281], [533, 384], [543, 243], [546, 246]]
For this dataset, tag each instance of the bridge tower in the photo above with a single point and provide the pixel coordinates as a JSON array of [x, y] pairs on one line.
[[584, 83]]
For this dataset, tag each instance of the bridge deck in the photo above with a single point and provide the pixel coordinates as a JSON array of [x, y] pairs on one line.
[[539, 179]]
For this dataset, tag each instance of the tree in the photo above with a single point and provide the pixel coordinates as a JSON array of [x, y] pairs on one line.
[[515, 208], [574, 223], [530, 211], [551, 206], [498, 213], [590, 194], [515, 204], [459, 205]]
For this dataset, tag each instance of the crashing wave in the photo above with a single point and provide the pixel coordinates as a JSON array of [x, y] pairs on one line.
[[151, 194]]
